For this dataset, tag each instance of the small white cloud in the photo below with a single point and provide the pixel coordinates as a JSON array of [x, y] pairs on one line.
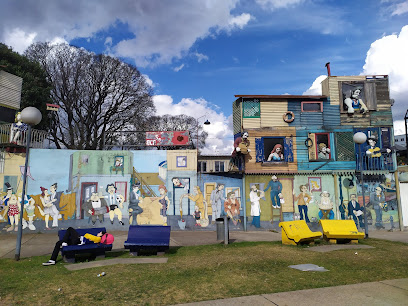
[[277, 4], [19, 39], [239, 21], [316, 88], [108, 41], [400, 8], [177, 69], [57, 41], [220, 134], [148, 80], [201, 57]]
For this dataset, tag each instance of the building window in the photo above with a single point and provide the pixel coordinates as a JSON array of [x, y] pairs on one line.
[[319, 146], [365, 98], [274, 149], [345, 146], [219, 166], [181, 161], [2, 161], [252, 108], [312, 106], [202, 166]]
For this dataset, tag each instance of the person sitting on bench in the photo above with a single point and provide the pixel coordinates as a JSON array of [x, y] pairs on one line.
[[71, 237]]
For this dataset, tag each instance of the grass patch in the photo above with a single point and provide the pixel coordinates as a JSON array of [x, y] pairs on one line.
[[199, 273]]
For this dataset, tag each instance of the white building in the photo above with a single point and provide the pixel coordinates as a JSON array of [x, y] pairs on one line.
[[400, 140]]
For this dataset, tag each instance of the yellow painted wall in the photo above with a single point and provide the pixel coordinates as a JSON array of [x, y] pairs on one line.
[[12, 164], [272, 113], [191, 160]]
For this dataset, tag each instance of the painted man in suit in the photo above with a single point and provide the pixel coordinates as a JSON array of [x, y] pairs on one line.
[[217, 199], [134, 208], [355, 211], [96, 207]]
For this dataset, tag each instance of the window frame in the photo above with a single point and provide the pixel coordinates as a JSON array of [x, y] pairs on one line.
[[312, 102], [200, 166], [219, 166], [253, 101]]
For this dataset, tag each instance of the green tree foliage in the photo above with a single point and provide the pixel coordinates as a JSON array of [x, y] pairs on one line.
[[36, 89]]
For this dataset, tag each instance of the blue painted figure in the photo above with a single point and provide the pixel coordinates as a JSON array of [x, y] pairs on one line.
[[276, 188], [377, 199]]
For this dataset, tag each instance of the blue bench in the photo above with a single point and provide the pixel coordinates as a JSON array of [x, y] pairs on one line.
[[97, 249], [148, 237]]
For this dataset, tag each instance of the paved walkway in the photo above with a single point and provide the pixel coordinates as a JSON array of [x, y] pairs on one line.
[[391, 292]]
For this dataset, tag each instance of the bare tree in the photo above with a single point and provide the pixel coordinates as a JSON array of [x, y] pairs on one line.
[[97, 95]]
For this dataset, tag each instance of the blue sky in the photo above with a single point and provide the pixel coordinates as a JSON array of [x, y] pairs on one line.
[[198, 54]]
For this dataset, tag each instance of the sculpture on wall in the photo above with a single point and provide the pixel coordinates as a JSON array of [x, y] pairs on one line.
[[255, 196], [325, 206], [355, 102], [241, 148], [17, 128], [276, 189], [276, 153], [324, 151]]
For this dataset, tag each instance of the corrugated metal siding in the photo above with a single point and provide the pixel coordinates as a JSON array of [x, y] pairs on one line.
[[331, 115], [236, 116], [272, 113], [251, 123], [303, 155], [311, 119], [191, 160], [10, 90], [295, 107]]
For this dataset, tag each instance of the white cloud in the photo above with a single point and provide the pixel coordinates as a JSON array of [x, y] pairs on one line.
[[220, 139], [316, 88], [277, 4], [19, 39], [108, 41], [399, 127], [388, 56], [178, 68], [162, 30], [201, 57], [149, 80], [400, 8]]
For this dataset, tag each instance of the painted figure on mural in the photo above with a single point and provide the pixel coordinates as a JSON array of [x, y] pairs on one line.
[[343, 210], [49, 208], [197, 216], [255, 196], [355, 102], [325, 206], [16, 129], [198, 198], [3, 200], [134, 199], [374, 153], [377, 199], [13, 211], [96, 207], [276, 153], [355, 211], [231, 207], [115, 202], [241, 148], [217, 199], [180, 183], [303, 199], [276, 188], [29, 206], [164, 201], [324, 151]]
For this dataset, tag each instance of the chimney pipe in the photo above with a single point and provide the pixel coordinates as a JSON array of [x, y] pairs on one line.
[[328, 68]]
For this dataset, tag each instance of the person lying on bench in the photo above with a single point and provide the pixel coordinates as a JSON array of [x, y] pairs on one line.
[[71, 237]]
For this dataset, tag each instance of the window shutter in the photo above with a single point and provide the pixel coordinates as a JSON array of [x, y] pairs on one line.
[[259, 150], [370, 95], [312, 149], [288, 149], [345, 146]]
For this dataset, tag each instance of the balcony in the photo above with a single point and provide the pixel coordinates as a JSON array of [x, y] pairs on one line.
[[38, 138], [383, 162]]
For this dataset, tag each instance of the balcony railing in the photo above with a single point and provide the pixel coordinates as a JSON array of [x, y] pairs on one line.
[[38, 137], [384, 162]]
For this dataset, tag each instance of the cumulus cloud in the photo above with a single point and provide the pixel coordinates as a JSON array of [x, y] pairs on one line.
[[220, 139], [388, 56], [158, 27], [316, 88], [277, 4]]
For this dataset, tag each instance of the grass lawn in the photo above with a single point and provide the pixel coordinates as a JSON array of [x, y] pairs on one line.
[[199, 273]]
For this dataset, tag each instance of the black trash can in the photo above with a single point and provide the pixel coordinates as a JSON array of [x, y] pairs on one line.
[[222, 229]]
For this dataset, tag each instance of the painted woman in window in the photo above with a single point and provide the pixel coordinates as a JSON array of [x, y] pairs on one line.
[[324, 151], [276, 153]]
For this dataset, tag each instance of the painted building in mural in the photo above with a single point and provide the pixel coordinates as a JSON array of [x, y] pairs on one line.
[[303, 161], [115, 189]]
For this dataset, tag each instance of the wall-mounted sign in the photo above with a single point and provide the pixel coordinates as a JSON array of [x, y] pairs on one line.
[[167, 138], [52, 107]]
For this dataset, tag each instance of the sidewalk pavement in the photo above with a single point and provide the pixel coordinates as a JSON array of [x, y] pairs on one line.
[[389, 292]]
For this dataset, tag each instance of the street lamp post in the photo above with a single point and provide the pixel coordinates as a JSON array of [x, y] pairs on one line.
[[31, 116], [206, 123], [360, 138]]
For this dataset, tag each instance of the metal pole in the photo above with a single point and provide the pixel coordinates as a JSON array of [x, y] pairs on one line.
[[362, 191], [243, 201], [20, 224]]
